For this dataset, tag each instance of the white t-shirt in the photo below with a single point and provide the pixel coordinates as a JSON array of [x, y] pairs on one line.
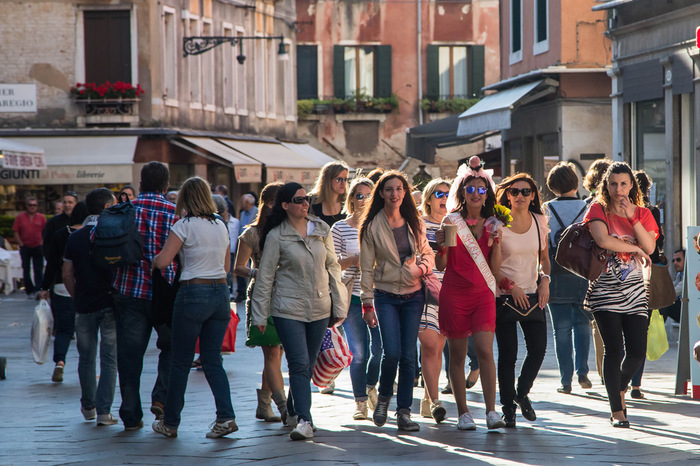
[[204, 247], [519, 252]]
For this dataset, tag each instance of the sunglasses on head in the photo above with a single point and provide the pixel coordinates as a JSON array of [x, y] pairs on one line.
[[440, 194], [472, 189], [340, 179], [515, 191], [301, 199], [359, 197]]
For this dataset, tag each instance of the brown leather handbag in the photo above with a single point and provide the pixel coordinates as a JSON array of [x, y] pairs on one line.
[[661, 290], [578, 252]]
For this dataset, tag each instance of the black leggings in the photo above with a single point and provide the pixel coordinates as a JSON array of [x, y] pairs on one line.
[[633, 347]]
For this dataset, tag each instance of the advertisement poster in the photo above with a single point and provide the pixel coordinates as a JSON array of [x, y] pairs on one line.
[[692, 277]]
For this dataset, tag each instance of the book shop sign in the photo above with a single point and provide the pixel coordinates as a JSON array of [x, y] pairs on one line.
[[17, 98]]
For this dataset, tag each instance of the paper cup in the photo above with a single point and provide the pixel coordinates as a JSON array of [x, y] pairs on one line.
[[450, 235]]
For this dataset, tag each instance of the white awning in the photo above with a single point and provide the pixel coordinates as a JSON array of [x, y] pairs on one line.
[[309, 152], [493, 112], [17, 156], [246, 169]]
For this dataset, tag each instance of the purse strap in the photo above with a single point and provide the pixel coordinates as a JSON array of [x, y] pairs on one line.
[[539, 246]]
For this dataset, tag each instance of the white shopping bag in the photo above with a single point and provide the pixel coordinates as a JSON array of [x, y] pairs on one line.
[[42, 327]]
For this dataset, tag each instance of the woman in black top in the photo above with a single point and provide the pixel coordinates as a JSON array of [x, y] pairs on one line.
[[329, 192]]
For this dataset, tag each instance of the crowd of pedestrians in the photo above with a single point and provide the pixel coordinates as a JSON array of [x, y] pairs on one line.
[[356, 254]]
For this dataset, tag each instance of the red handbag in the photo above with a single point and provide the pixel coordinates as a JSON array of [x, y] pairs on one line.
[[229, 345]]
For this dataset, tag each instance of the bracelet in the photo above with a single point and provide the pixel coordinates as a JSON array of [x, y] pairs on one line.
[[252, 273], [367, 308], [544, 275], [506, 285]]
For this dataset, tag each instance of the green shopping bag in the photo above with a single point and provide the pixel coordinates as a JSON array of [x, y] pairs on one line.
[[657, 342], [270, 338]]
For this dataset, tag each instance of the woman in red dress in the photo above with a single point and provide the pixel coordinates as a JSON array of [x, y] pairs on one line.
[[467, 299]]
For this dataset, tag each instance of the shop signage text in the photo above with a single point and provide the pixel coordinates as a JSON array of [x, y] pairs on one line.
[[69, 174], [11, 160], [18, 98]]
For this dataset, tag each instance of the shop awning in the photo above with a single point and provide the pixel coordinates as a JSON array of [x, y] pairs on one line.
[[493, 112], [17, 156], [309, 152], [80, 160], [281, 163], [246, 169]]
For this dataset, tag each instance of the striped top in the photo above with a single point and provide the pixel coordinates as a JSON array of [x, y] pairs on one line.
[[430, 229], [347, 244]]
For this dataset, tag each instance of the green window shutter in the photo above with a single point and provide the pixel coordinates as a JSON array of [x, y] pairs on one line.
[[383, 73], [476, 70], [433, 73], [307, 72], [339, 71]]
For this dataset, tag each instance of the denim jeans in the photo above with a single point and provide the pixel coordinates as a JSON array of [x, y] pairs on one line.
[[64, 323], [88, 327], [399, 319], [134, 325], [535, 334], [568, 319], [204, 312], [32, 257], [366, 347], [301, 342]]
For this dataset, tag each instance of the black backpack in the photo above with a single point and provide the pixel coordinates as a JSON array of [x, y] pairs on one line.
[[556, 268], [117, 240]]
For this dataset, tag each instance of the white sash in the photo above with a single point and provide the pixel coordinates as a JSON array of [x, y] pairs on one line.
[[473, 248]]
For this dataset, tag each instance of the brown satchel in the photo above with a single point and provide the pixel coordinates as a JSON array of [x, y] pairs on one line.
[[661, 291], [578, 252]]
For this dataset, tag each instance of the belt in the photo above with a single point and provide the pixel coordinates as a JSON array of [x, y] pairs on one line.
[[398, 296], [204, 281]]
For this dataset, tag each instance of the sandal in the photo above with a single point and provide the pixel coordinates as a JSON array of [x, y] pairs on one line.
[[197, 364]]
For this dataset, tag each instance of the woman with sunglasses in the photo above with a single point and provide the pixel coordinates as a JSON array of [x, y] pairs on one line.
[[297, 249], [467, 298], [329, 192], [522, 273], [394, 255], [432, 342], [365, 343], [618, 298]]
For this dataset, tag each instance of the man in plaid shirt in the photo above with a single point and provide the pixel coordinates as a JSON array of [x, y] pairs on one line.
[[154, 217]]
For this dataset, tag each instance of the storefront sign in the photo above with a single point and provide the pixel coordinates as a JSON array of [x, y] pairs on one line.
[[69, 174], [299, 175], [18, 98], [16, 161], [248, 173]]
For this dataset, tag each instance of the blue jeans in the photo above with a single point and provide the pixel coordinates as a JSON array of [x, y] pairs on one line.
[[87, 329], [32, 257], [204, 312], [64, 323], [301, 342], [568, 319], [399, 319], [364, 368], [134, 325]]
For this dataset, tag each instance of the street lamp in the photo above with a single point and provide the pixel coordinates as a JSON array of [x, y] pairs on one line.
[[196, 45]]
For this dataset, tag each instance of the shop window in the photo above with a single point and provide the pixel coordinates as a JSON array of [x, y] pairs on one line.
[[541, 16], [516, 31], [307, 72], [455, 71], [362, 71], [107, 46]]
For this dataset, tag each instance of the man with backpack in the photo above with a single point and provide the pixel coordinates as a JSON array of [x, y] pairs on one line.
[[154, 217], [90, 285]]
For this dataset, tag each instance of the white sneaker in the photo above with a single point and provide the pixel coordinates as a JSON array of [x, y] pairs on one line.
[[329, 389], [106, 419], [494, 421], [303, 431], [219, 429], [466, 422], [88, 414]]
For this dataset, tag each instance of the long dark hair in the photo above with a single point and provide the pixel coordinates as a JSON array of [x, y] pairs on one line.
[[502, 195], [408, 208], [278, 215], [603, 195], [487, 208], [267, 196]]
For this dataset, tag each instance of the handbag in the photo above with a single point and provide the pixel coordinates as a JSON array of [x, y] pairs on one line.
[[431, 289], [334, 356], [229, 343], [657, 341], [578, 252], [42, 325], [661, 290]]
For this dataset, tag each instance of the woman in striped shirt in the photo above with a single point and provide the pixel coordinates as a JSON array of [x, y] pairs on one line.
[[365, 343]]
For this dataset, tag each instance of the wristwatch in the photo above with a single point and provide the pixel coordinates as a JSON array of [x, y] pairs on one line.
[[544, 275]]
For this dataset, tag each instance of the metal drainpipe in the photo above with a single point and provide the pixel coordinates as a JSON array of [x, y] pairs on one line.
[[420, 61]]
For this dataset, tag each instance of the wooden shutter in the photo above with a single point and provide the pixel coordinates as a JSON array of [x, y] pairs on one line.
[[476, 70], [339, 71], [107, 46], [433, 72], [307, 72], [383, 71]]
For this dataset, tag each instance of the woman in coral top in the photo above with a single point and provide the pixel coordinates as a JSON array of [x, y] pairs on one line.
[[467, 298], [618, 298]]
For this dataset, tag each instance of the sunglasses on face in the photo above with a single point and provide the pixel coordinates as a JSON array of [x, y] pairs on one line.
[[340, 179], [440, 194], [32, 205], [360, 197], [473, 189], [677, 259], [301, 199], [515, 191]]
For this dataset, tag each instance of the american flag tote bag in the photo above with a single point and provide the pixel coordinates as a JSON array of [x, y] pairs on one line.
[[332, 359]]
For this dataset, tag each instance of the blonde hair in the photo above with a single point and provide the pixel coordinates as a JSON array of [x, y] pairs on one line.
[[195, 198], [323, 189], [356, 183], [429, 190]]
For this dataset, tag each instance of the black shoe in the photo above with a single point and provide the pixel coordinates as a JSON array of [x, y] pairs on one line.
[[240, 297], [526, 408], [447, 390], [564, 389], [585, 382], [509, 414], [623, 424], [637, 394]]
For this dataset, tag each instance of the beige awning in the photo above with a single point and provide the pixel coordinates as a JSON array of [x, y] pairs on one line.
[[246, 169]]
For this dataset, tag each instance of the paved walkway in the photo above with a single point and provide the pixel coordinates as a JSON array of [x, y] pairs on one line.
[[41, 421]]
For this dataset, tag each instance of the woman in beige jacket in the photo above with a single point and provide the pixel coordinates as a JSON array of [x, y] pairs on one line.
[[298, 283], [394, 255]]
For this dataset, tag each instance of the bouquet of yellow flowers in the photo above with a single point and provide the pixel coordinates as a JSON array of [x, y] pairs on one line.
[[501, 218]]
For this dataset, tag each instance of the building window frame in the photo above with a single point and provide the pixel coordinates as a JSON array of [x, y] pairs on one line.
[[228, 81], [208, 87], [516, 37], [170, 57], [194, 70], [289, 82], [541, 25], [241, 96]]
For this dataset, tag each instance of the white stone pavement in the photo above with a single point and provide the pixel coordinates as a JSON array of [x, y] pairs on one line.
[[40, 422]]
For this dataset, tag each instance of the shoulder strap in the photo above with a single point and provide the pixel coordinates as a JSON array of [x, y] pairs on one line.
[[550, 206], [539, 242], [473, 249]]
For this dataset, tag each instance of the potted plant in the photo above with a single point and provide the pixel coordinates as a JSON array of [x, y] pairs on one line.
[[107, 97]]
